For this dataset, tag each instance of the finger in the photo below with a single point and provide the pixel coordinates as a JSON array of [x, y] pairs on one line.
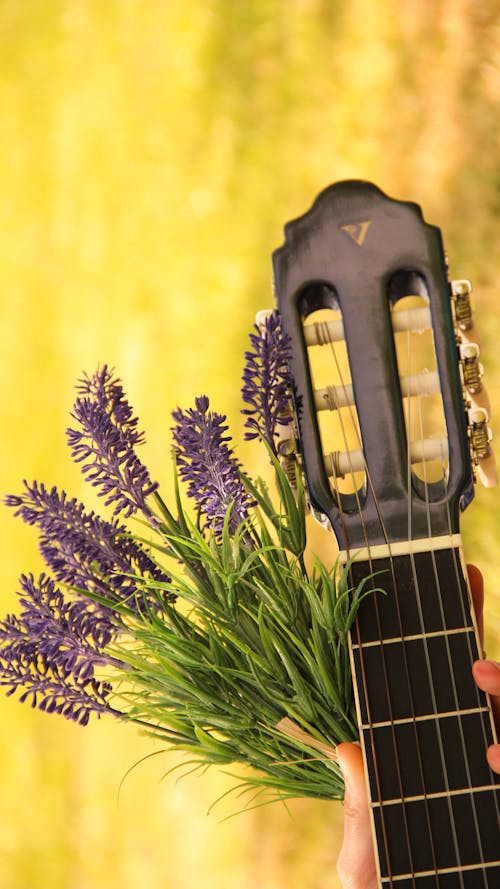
[[487, 677], [356, 863], [493, 757], [477, 591]]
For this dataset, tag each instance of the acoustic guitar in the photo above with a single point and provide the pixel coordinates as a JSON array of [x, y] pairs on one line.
[[391, 425]]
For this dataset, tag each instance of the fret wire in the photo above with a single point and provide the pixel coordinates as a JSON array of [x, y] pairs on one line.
[[397, 640], [441, 870], [467, 791], [425, 718]]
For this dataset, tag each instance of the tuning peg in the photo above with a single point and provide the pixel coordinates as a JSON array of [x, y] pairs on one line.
[[472, 373], [482, 454], [461, 291], [288, 452]]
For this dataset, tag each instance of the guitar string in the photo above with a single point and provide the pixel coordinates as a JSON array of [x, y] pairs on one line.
[[465, 623], [435, 571], [362, 665], [412, 558], [468, 618], [418, 596], [405, 660], [360, 649]]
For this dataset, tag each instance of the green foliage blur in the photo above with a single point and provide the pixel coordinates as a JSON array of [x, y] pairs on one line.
[[151, 152]]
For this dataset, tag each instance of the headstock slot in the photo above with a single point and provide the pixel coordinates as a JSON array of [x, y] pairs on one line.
[[420, 387], [336, 413]]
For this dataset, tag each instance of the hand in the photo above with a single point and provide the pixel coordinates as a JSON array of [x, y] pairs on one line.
[[356, 864], [486, 673]]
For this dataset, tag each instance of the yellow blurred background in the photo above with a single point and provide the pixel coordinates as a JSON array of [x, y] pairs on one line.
[[150, 154]]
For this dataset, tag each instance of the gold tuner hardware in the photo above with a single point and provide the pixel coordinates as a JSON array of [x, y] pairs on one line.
[[287, 453], [472, 373], [480, 434], [480, 440], [471, 368], [461, 291]]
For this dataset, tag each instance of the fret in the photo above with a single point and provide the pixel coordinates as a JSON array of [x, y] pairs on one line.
[[417, 748], [399, 684], [449, 878], [400, 639], [425, 796], [412, 719], [453, 832]]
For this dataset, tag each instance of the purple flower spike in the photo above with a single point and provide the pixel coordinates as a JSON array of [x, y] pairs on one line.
[[267, 380], [105, 444], [208, 465], [52, 650], [85, 551]]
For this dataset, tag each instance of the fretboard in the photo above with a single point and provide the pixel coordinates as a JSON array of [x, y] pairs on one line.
[[425, 726]]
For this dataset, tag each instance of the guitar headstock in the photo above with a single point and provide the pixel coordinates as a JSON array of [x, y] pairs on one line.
[[387, 382]]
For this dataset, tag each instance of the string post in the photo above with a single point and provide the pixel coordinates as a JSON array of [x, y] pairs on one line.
[[461, 291]]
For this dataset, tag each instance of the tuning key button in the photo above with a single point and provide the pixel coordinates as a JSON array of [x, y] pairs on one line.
[[480, 434], [472, 369], [461, 291]]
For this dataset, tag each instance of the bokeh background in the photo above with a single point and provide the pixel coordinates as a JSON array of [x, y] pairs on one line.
[[151, 151]]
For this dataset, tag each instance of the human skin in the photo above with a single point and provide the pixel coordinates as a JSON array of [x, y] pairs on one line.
[[356, 862]]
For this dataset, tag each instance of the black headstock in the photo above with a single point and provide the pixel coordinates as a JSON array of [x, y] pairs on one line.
[[373, 273]]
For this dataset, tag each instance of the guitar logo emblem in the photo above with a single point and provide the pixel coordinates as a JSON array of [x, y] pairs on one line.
[[357, 231]]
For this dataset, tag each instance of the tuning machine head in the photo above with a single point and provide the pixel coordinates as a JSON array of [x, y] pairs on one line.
[[287, 446], [483, 458], [461, 290], [472, 372]]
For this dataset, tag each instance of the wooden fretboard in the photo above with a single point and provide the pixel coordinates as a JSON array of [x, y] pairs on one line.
[[425, 726]]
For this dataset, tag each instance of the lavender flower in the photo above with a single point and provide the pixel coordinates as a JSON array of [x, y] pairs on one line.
[[84, 550], [208, 465], [267, 380], [106, 440], [52, 651]]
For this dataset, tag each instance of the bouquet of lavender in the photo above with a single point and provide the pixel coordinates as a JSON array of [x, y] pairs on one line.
[[205, 627]]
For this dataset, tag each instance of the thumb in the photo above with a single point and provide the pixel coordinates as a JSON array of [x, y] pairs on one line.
[[356, 863]]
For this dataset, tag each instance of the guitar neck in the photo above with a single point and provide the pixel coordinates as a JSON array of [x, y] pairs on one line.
[[389, 444], [424, 724]]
